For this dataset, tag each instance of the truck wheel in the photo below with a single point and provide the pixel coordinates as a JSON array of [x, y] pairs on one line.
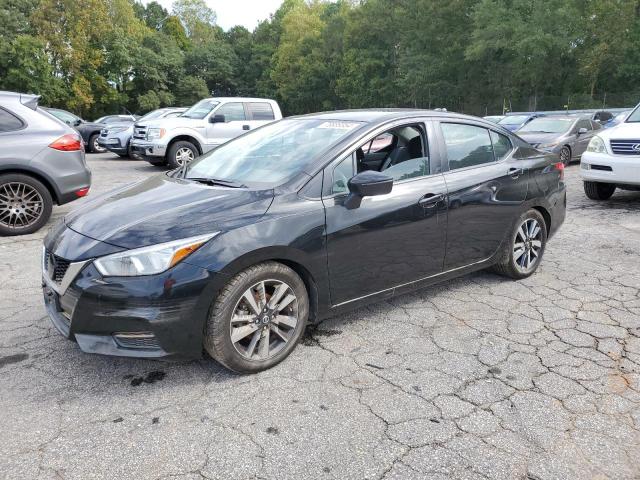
[[25, 204], [599, 190], [180, 153]]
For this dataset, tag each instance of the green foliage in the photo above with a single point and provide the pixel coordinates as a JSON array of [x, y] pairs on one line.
[[105, 56]]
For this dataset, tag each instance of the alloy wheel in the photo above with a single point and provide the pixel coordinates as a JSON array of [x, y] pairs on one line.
[[264, 320], [21, 205], [184, 155], [527, 245], [565, 156], [96, 146]]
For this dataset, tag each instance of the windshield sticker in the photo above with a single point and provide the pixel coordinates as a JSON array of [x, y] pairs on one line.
[[339, 125]]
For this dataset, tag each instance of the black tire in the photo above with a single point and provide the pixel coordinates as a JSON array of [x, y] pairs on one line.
[[217, 334], [93, 144], [565, 155], [123, 155], [6, 200], [599, 190], [509, 264], [172, 155]]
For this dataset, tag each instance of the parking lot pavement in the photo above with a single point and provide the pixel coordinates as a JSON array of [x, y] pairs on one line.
[[478, 378]]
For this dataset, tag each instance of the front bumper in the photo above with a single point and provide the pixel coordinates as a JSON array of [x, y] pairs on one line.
[[148, 149], [607, 168], [114, 144], [150, 317]]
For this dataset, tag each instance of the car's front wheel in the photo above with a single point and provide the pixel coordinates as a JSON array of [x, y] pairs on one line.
[[25, 204], [526, 246], [565, 155], [258, 318], [94, 145], [180, 153], [599, 190]]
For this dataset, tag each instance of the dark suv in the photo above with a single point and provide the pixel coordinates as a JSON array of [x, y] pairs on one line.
[[41, 162]]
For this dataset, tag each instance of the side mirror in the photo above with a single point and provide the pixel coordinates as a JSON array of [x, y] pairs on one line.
[[582, 131], [217, 119], [77, 122], [367, 184]]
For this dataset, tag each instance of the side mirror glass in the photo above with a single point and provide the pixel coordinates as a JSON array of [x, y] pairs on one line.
[[77, 122], [367, 184], [582, 131], [217, 119]]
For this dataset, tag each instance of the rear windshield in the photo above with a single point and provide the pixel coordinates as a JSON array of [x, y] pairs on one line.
[[513, 120]]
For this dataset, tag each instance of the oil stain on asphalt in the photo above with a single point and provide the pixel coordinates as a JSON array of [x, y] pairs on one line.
[[151, 377], [9, 359]]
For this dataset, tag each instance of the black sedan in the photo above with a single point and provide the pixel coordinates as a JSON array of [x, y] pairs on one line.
[[293, 222]]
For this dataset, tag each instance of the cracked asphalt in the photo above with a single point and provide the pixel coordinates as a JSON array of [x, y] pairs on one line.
[[477, 378]]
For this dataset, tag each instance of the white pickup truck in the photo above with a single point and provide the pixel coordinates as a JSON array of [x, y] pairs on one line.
[[612, 159], [204, 126]]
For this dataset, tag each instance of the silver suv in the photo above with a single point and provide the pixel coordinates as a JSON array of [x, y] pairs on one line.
[[41, 162], [209, 123]]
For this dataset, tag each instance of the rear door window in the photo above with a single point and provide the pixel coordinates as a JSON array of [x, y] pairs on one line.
[[260, 111], [467, 145], [9, 122]]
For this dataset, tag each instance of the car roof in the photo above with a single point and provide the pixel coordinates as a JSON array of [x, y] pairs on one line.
[[381, 115], [567, 117], [239, 99]]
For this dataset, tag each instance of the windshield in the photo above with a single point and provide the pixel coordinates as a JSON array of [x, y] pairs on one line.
[[153, 114], [272, 154], [201, 109], [547, 125], [635, 116], [513, 120]]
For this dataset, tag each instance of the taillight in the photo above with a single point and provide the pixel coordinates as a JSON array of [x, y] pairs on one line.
[[68, 143], [82, 192], [560, 168]]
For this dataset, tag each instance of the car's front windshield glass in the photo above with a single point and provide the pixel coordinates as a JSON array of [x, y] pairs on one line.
[[152, 114], [547, 125], [513, 120], [269, 156], [201, 109], [634, 117]]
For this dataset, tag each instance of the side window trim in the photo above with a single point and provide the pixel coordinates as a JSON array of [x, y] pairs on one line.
[[327, 182], [509, 153]]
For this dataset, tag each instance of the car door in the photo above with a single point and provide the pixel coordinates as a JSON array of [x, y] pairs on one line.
[[390, 240], [234, 121], [582, 139], [258, 114], [486, 189]]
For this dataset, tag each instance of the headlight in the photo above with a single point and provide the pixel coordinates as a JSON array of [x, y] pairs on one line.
[[149, 260], [597, 145], [155, 133], [547, 145]]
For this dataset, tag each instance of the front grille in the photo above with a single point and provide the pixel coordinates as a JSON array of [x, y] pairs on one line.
[[625, 147], [55, 266], [604, 168], [145, 341], [139, 132]]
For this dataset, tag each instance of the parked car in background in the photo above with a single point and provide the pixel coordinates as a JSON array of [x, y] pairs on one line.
[[612, 159], [41, 163], [203, 127], [515, 121], [619, 118], [494, 118], [116, 137], [602, 116], [108, 119], [294, 222], [564, 135], [89, 131]]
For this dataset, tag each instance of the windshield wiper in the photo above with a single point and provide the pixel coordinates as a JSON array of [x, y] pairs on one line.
[[217, 181]]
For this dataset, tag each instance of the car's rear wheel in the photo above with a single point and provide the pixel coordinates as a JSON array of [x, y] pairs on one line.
[[565, 155], [180, 153], [258, 318], [599, 190], [25, 204], [524, 251], [94, 145]]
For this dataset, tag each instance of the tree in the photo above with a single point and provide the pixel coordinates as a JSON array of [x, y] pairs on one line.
[[196, 17], [152, 14], [189, 90]]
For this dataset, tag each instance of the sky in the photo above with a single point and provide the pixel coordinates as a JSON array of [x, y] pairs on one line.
[[237, 12]]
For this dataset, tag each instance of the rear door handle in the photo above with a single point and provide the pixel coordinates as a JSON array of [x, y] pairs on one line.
[[515, 172], [430, 199], [246, 127]]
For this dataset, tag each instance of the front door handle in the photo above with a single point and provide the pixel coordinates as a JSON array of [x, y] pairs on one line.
[[246, 127], [515, 172], [430, 199]]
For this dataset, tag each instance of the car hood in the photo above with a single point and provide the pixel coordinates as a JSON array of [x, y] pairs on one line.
[[172, 122], [161, 209], [622, 131], [535, 138], [92, 125], [111, 126]]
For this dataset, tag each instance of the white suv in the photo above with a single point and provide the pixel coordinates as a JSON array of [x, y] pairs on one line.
[[612, 159], [209, 123]]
